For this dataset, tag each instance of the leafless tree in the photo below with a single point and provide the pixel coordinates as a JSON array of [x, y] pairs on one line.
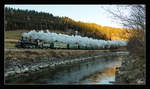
[[132, 17]]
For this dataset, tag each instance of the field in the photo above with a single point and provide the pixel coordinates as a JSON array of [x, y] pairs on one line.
[[14, 34], [12, 37]]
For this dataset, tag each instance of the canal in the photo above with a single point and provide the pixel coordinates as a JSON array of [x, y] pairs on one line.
[[96, 71]]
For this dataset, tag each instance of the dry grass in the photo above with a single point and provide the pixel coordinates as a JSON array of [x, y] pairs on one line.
[[41, 53], [11, 41]]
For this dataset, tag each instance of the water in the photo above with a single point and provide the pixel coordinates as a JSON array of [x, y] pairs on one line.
[[96, 71]]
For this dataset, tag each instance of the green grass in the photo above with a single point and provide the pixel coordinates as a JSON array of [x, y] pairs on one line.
[[10, 45], [16, 34]]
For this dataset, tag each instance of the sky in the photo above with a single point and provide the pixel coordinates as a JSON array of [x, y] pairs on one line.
[[85, 13]]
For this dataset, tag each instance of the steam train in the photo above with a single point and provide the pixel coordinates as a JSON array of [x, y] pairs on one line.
[[29, 43]]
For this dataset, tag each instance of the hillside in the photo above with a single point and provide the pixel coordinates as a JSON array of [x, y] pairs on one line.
[[28, 19]]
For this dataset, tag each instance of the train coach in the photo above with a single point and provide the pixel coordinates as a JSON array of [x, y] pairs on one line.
[[30, 43], [73, 46], [58, 45]]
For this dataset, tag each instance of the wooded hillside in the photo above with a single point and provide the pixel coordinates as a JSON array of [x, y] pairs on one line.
[[29, 19]]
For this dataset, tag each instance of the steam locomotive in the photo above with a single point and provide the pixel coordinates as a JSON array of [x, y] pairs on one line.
[[29, 43]]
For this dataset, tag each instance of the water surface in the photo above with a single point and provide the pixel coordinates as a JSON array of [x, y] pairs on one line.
[[95, 71]]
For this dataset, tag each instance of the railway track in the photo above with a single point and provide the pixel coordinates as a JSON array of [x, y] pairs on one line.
[[103, 50]]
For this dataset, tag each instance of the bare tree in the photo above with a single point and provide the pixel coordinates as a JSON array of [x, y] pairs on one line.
[[132, 17]]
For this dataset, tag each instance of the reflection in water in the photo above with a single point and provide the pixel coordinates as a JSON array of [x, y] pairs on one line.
[[104, 75], [98, 71], [101, 77]]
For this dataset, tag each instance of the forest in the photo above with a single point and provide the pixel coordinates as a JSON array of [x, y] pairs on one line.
[[17, 19]]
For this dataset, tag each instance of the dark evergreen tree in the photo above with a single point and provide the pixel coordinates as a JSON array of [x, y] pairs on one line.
[[16, 19]]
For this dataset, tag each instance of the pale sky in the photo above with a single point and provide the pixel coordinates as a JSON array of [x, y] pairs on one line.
[[84, 13]]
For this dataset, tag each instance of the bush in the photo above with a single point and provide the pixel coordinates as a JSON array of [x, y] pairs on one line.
[[136, 46]]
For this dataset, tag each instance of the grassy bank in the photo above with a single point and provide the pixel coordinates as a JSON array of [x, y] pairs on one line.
[[41, 53]]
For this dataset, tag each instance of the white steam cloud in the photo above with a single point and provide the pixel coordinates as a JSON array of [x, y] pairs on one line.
[[83, 41]]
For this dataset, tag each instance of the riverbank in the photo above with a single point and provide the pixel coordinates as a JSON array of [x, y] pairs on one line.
[[132, 71], [25, 61]]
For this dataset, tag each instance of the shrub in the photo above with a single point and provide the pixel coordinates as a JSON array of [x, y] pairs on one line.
[[136, 46]]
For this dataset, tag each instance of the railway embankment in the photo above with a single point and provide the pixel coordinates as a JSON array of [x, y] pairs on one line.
[[20, 61]]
